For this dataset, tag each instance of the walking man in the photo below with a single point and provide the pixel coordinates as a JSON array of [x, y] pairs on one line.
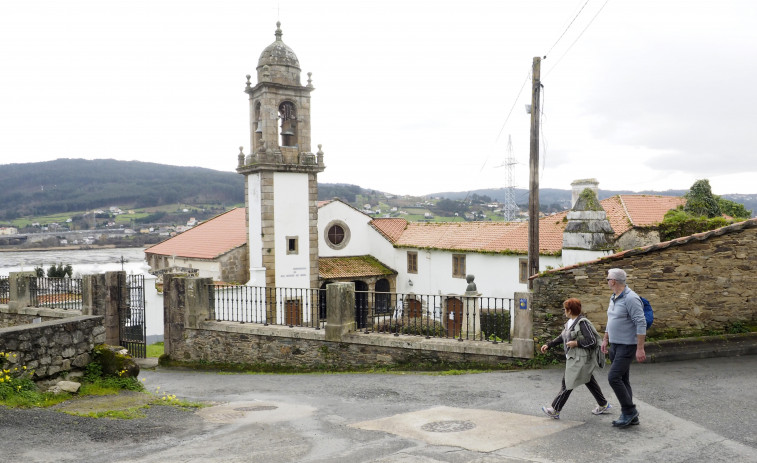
[[625, 332]]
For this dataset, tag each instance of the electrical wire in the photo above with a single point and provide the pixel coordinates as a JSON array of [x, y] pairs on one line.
[[542, 138], [566, 29], [528, 76], [577, 38]]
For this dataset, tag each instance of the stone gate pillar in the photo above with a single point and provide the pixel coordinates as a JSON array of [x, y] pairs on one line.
[[523, 327], [20, 285], [340, 310]]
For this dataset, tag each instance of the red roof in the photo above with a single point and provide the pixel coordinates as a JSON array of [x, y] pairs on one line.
[[208, 240], [497, 237], [623, 213]]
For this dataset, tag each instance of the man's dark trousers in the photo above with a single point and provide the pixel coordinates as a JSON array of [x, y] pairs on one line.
[[621, 356]]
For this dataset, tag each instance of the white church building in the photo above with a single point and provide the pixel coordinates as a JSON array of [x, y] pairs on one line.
[[295, 241]]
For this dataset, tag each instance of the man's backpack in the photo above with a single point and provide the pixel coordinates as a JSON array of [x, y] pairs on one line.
[[648, 312]]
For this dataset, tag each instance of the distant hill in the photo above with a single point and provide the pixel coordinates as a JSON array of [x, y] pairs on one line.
[[72, 185], [67, 185], [551, 196]]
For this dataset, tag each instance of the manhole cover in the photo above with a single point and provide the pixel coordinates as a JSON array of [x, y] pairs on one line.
[[256, 408], [448, 426]]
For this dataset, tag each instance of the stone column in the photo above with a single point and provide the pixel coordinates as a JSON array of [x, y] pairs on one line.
[[523, 329], [174, 302], [340, 310], [21, 284], [197, 300], [471, 328], [114, 302]]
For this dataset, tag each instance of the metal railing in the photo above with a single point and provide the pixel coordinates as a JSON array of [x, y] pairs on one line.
[[56, 293], [269, 306], [434, 316], [5, 289]]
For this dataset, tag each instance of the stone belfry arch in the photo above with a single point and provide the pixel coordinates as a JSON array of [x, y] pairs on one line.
[[281, 174]]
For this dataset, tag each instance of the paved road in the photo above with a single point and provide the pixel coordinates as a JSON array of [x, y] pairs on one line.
[[691, 411]]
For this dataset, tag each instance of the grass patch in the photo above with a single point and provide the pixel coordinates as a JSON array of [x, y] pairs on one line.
[[34, 399], [155, 350], [129, 414]]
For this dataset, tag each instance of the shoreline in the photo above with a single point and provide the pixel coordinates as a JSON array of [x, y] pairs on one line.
[[69, 248]]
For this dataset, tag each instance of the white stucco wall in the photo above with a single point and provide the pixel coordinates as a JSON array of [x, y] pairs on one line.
[[254, 239], [205, 268], [291, 219], [576, 256], [153, 311], [359, 240]]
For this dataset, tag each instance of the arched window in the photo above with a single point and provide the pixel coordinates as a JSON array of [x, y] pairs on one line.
[[383, 298], [257, 128], [288, 117]]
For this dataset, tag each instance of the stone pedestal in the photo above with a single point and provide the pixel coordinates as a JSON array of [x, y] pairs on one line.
[[522, 334], [340, 306]]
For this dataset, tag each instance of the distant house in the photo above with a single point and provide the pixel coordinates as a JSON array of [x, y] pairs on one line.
[[215, 249]]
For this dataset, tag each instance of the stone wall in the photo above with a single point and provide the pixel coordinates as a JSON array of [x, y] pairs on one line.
[[235, 267], [701, 282], [250, 344], [26, 315], [191, 335], [51, 347]]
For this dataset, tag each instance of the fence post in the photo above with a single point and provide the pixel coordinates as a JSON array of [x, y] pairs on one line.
[[471, 327], [340, 310], [173, 311], [113, 293], [523, 327], [197, 301], [19, 290]]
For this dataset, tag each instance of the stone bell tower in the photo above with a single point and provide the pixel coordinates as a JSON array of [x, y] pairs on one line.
[[281, 174]]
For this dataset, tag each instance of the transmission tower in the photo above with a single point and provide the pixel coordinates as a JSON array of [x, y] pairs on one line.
[[510, 208]]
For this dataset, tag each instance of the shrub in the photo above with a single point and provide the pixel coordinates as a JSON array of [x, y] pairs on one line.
[[495, 325], [14, 380]]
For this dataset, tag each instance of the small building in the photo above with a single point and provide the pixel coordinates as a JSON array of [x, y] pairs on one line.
[[215, 249]]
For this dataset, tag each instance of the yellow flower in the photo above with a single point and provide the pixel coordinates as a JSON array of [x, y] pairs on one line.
[[2, 380]]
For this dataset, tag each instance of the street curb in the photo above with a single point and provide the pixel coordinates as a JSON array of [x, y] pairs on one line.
[[727, 345]]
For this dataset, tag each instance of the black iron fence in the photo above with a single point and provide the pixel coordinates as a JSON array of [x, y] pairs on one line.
[[434, 316], [132, 316], [269, 306], [5, 289], [55, 293]]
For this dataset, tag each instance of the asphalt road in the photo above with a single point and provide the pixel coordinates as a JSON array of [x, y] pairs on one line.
[[691, 411]]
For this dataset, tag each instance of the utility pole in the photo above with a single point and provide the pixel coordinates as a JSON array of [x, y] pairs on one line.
[[533, 196]]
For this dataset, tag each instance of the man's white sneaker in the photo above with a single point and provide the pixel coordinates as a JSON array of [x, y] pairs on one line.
[[599, 409]]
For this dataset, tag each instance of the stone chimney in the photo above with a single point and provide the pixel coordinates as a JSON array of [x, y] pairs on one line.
[[580, 185], [588, 234]]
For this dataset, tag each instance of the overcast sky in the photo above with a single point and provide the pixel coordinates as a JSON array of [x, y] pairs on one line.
[[412, 97]]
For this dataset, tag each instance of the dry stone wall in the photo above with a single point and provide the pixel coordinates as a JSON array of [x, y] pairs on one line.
[[704, 282], [251, 344], [52, 347]]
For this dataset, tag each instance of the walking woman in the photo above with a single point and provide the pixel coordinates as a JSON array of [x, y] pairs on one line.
[[581, 342]]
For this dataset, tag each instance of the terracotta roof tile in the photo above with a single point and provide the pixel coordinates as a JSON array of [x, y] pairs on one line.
[[351, 267], [645, 210], [627, 211], [208, 240], [495, 237], [391, 228]]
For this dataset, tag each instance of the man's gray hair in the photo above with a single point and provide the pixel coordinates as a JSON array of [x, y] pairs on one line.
[[617, 274]]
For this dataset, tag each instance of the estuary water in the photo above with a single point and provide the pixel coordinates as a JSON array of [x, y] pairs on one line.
[[86, 261]]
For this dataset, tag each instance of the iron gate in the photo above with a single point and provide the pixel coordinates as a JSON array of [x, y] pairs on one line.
[[131, 314]]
